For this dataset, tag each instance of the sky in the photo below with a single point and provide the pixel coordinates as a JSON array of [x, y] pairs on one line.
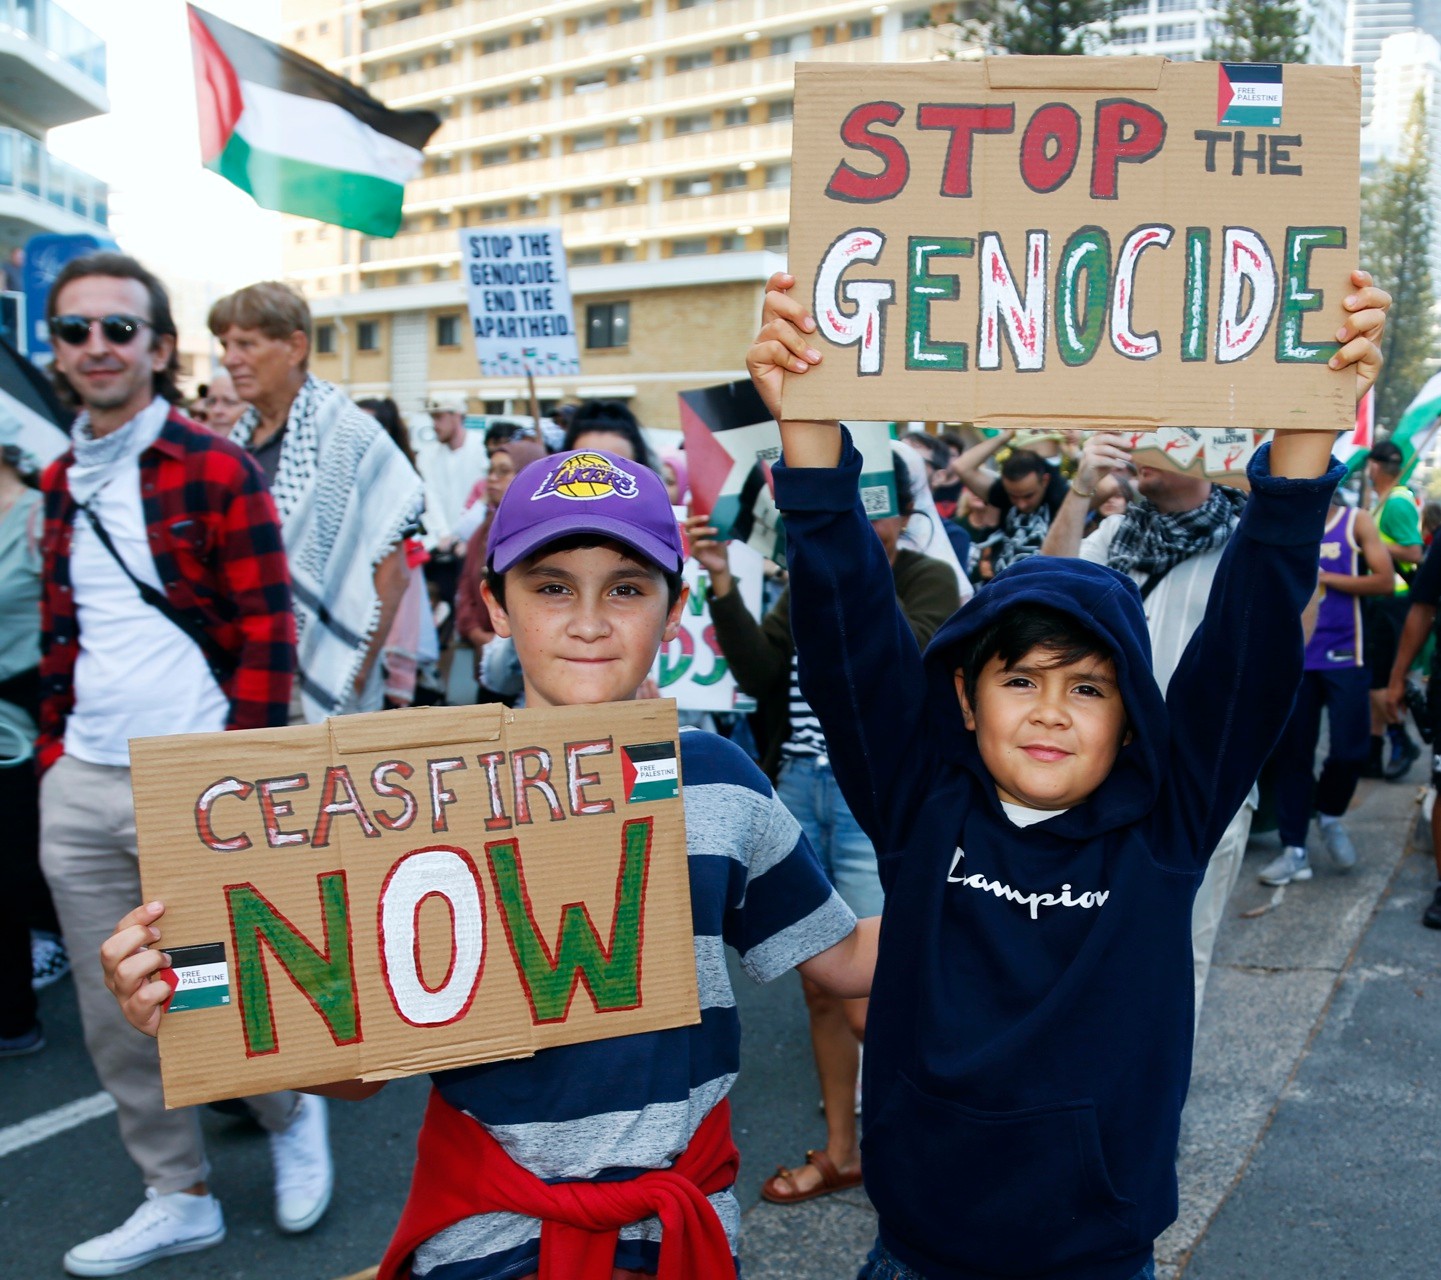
[[181, 220]]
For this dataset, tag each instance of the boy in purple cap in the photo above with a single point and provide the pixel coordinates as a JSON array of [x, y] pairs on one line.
[[584, 574]]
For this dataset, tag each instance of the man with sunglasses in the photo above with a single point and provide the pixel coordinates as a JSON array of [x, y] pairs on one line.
[[165, 608]]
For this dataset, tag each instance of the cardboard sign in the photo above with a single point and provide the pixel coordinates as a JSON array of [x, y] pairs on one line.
[[383, 895], [1076, 241], [1217, 455], [692, 669], [730, 444], [519, 297]]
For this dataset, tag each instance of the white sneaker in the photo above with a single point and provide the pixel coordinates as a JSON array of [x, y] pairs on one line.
[[303, 1172], [1291, 865], [164, 1225]]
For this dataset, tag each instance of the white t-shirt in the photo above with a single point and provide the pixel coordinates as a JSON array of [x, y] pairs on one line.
[[1021, 816], [137, 675], [1175, 608], [449, 475]]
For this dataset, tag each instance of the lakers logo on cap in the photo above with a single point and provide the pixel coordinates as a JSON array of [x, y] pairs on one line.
[[584, 477]]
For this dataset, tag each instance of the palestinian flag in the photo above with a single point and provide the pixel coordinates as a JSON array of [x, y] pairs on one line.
[[649, 771], [297, 138]]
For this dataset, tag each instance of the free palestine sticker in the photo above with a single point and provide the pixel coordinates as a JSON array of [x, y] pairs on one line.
[[1249, 93], [198, 976], [650, 772]]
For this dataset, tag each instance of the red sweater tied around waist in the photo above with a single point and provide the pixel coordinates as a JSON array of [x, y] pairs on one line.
[[461, 1171]]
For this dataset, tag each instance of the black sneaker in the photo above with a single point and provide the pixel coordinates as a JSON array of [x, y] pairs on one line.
[[1431, 917]]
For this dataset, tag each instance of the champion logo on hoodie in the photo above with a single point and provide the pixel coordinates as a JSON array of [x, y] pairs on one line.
[[1035, 901]]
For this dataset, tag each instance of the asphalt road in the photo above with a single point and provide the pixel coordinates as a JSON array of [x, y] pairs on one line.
[[1309, 1151]]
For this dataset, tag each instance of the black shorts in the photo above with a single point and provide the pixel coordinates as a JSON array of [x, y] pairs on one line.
[[1385, 616]]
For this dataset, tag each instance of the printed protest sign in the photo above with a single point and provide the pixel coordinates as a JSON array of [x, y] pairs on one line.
[[691, 668], [1210, 454], [519, 296], [1075, 241], [383, 895], [730, 444]]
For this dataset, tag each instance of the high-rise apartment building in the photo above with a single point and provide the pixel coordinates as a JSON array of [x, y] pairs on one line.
[[52, 72], [1368, 23], [1184, 30], [656, 133]]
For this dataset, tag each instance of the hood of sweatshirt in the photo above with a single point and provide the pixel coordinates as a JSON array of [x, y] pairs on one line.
[[1107, 602]]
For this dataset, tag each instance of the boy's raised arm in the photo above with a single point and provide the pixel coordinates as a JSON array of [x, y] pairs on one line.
[[860, 667], [1232, 692]]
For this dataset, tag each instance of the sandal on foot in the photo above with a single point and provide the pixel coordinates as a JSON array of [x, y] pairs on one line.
[[781, 1189]]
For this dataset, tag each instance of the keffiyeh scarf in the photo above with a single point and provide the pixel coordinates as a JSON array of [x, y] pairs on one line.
[[1152, 541], [345, 495]]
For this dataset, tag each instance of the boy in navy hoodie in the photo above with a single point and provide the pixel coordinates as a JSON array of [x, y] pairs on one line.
[[1042, 818]]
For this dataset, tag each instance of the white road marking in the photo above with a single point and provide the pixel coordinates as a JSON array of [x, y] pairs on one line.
[[46, 1125]]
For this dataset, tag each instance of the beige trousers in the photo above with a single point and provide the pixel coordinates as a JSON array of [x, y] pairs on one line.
[[1222, 873], [87, 851]]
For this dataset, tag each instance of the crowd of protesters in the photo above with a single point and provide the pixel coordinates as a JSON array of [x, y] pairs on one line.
[[301, 555]]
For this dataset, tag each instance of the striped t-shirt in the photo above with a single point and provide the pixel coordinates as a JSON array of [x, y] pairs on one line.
[[807, 737], [611, 1109]]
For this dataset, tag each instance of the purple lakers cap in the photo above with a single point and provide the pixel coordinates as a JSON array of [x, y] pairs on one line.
[[585, 491]]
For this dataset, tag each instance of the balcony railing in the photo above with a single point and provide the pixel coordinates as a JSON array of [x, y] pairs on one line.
[[49, 26], [27, 167]]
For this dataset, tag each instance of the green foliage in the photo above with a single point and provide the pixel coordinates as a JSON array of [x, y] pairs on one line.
[[1260, 31], [1041, 26], [1397, 227]]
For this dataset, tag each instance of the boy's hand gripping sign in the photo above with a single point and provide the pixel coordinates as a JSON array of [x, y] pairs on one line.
[[383, 895], [1122, 242]]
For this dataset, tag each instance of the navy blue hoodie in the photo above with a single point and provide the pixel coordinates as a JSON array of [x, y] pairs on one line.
[[1028, 1044]]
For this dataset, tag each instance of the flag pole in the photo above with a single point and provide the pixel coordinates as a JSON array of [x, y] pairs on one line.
[[534, 402]]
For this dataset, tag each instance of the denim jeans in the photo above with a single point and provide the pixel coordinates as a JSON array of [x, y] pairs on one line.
[[807, 787], [881, 1265]]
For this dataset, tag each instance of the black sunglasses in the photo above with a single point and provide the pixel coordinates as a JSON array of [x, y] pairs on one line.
[[74, 331]]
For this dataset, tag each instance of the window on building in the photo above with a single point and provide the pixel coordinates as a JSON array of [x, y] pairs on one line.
[[494, 212], [530, 92], [915, 19], [625, 253], [1127, 36], [585, 257], [734, 180], [828, 34], [695, 122], [442, 57], [736, 53], [781, 45], [406, 275], [590, 82], [692, 61], [696, 185], [441, 164], [367, 335], [1175, 31], [624, 195], [325, 339], [733, 243], [492, 101], [532, 35], [531, 150], [587, 199], [299, 235], [690, 4], [494, 156], [628, 13], [592, 141], [778, 240], [1128, 7], [778, 175], [440, 222], [735, 116], [628, 73], [627, 134], [691, 248], [528, 209], [782, 109], [861, 28], [1170, 6], [496, 44], [607, 324], [447, 331], [591, 21]]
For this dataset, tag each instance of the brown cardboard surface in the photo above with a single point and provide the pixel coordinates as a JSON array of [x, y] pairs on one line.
[[393, 816], [947, 218]]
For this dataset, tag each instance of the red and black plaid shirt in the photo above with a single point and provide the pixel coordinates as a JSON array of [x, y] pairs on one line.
[[215, 538]]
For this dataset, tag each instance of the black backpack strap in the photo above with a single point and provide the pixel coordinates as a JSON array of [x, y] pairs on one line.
[[1154, 581], [221, 665]]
